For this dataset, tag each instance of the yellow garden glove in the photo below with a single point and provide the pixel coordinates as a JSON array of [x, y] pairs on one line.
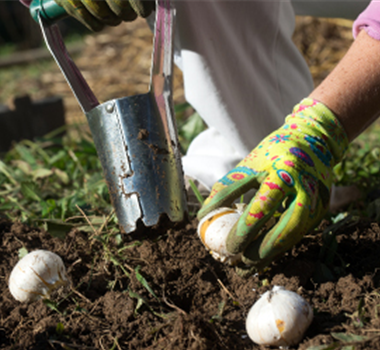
[[291, 168], [94, 14]]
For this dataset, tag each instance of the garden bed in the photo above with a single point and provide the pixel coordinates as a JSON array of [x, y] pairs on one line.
[[162, 290]]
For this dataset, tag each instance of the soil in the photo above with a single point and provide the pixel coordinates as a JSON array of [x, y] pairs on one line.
[[199, 304]]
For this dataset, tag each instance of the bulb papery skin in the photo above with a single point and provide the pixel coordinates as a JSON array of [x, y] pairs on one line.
[[279, 318], [36, 275], [213, 230]]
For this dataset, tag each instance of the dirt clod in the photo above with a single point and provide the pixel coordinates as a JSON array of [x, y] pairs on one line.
[[143, 134]]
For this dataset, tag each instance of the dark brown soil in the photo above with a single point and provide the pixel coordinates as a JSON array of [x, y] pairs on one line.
[[200, 304]]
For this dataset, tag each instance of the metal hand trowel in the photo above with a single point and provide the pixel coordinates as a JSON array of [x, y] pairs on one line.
[[136, 136]]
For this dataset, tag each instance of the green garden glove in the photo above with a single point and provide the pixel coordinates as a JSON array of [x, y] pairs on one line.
[[94, 14], [292, 167]]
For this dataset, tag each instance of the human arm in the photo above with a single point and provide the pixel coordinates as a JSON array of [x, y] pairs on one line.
[[351, 93], [352, 90]]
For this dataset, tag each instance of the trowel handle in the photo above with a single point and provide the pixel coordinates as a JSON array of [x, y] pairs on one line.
[[41, 10], [48, 9]]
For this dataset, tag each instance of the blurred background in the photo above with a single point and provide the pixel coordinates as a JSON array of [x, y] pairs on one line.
[[115, 63]]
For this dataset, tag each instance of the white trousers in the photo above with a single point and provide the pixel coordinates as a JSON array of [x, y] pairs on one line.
[[242, 72]]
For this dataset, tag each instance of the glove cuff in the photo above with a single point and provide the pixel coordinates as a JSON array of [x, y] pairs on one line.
[[315, 116]]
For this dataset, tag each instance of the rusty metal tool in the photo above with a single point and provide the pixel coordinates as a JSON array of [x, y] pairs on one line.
[[136, 136]]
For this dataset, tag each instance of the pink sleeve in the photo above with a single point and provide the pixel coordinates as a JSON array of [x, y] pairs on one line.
[[369, 20]]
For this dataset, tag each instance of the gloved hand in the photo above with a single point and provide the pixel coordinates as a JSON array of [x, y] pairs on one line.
[[291, 167], [94, 14]]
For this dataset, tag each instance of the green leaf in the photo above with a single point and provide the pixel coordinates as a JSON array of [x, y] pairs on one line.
[[193, 126], [349, 337], [58, 228], [22, 252], [47, 207], [37, 150], [7, 172], [332, 346], [219, 315], [41, 173], [339, 217], [144, 282], [358, 317], [96, 220], [52, 305], [25, 154], [196, 192], [19, 205], [57, 157], [63, 204], [140, 300], [59, 329], [23, 166], [182, 107], [29, 190], [86, 228], [118, 239], [62, 176]]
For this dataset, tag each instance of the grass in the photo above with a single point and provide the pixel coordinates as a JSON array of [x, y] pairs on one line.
[[51, 180], [361, 164], [47, 181], [189, 124]]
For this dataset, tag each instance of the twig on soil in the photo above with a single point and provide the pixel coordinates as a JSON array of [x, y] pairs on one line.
[[81, 295], [226, 290], [154, 346], [105, 222], [69, 246], [73, 218], [196, 338], [67, 346], [129, 268], [19, 326], [172, 305], [101, 344], [94, 307], [84, 315], [85, 216], [75, 262], [117, 344]]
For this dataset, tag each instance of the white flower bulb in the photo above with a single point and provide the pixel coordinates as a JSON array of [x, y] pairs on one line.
[[279, 318], [213, 230], [36, 275]]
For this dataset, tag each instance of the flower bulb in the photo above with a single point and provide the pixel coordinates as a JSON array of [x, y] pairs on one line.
[[36, 275]]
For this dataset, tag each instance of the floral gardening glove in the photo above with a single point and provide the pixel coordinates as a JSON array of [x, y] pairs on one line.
[[94, 14], [292, 167]]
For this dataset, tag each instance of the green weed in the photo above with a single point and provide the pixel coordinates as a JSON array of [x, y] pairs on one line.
[[46, 181]]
